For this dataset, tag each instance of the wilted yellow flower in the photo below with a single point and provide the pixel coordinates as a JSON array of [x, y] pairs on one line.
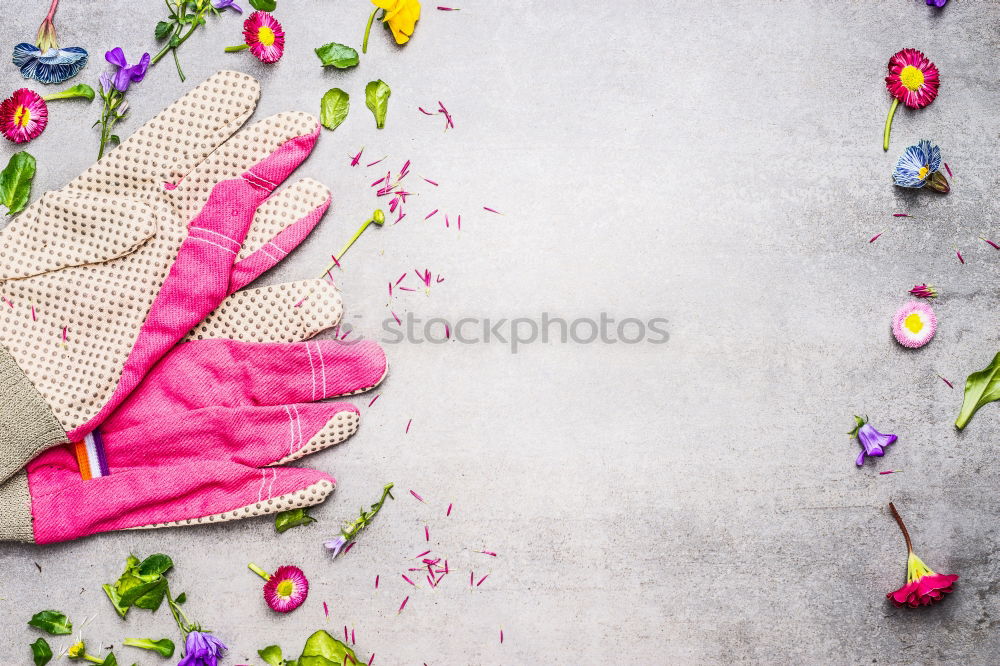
[[77, 650], [401, 15]]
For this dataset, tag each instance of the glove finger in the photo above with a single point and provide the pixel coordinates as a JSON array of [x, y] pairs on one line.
[[249, 151], [204, 491], [289, 312], [280, 225], [229, 373], [179, 138], [252, 436]]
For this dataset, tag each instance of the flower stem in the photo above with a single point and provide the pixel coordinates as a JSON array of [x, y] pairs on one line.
[[52, 10], [888, 124], [368, 29], [183, 623], [260, 572], [234, 49], [899, 521], [378, 217]]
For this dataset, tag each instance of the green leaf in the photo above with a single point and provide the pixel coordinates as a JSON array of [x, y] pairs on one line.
[[322, 649], [181, 598], [79, 90], [41, 652], [377, 99], [337, 55], [163, 29], [15, 182], [264, 5], [271, 655], [155, 565], [980, 388], [333, 109], [51, 621], [164, 646], [110, 660], [286, 520], [115, 600]]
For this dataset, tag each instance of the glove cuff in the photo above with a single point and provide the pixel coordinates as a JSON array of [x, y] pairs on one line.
[[27, 424], [15, 509]]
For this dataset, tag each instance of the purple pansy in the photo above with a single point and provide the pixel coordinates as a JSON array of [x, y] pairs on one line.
[[126, 73], [201, 649], [873, 442], [222, 4], [937, 3]]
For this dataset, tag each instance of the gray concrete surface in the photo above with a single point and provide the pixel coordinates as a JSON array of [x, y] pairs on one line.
[[717, 164]]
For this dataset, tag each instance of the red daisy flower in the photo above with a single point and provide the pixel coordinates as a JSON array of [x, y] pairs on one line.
[[913, 79], [23, 115], [286, 589], [264, 36]]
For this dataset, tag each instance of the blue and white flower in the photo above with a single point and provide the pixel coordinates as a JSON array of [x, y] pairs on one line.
[[919, 167]]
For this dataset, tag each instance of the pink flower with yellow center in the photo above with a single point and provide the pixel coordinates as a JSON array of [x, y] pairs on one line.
[[284, 590], [913, 80], [914, 324], [923, 586], [264, 36], [23, 115]]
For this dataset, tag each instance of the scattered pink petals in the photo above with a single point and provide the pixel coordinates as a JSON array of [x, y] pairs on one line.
[[487, 208], [448, 513], [950, 385], [376, 581], [408, 580], [482, 579], [875, 237], [374, 399], [349, 546], [403, 605], [421, 554], [471, 578], [7, 302], [371, 659], [901, 215], [427, 533], [447, 116], [959, 254], [424, 111], [431, 214], [415, 494], [299, 304], [371, 164], [447, 9], [396, 317], [987, 240], [890, 471], [33, 316], [408, 424], [431, 182], [326, 609], [401, 278], [501, 636], [948, 169], [356, 158], [380, 180], [487, 552], [459, 222]]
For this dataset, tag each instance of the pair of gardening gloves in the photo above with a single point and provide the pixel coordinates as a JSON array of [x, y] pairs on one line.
[[140, 384]]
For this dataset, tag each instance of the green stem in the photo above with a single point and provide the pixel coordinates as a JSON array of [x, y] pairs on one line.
[[888, 124], [234, 49], [368, 29], [177, 63], [260, 572], [183, 623], [92, 659], [378, 218]]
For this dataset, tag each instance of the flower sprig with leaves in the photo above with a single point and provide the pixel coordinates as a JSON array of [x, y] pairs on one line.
[[351, 530], [185, 17]]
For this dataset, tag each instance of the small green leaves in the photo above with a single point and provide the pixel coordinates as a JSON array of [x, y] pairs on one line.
[[141, 584], [377, 99], [264, 5], [79, 90], [52, 622], [163, 28], [981, 388], [322, 649], [110, 660], [286, 520], [333, 110], [337, 55], [15, 182], [41, 652], [164, 646], [271, 655]]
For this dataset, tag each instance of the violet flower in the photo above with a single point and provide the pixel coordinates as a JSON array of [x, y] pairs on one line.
[[201, 649], [126, 73], [937, 3], [336, 545], [222, 4], [873, 442]]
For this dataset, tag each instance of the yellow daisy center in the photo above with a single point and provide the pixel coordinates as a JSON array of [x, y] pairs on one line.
[[286, 587], [22, 116], [266, 37], [923, 172], [911, 77], [913, 323]]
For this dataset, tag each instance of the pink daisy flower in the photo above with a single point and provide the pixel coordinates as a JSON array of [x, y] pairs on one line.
[[264, 36], [23, 115], [914, 324], [913, 79], [285, 589]]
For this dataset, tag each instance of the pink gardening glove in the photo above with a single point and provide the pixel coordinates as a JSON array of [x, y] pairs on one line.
[[200, 438], [99, 279]]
